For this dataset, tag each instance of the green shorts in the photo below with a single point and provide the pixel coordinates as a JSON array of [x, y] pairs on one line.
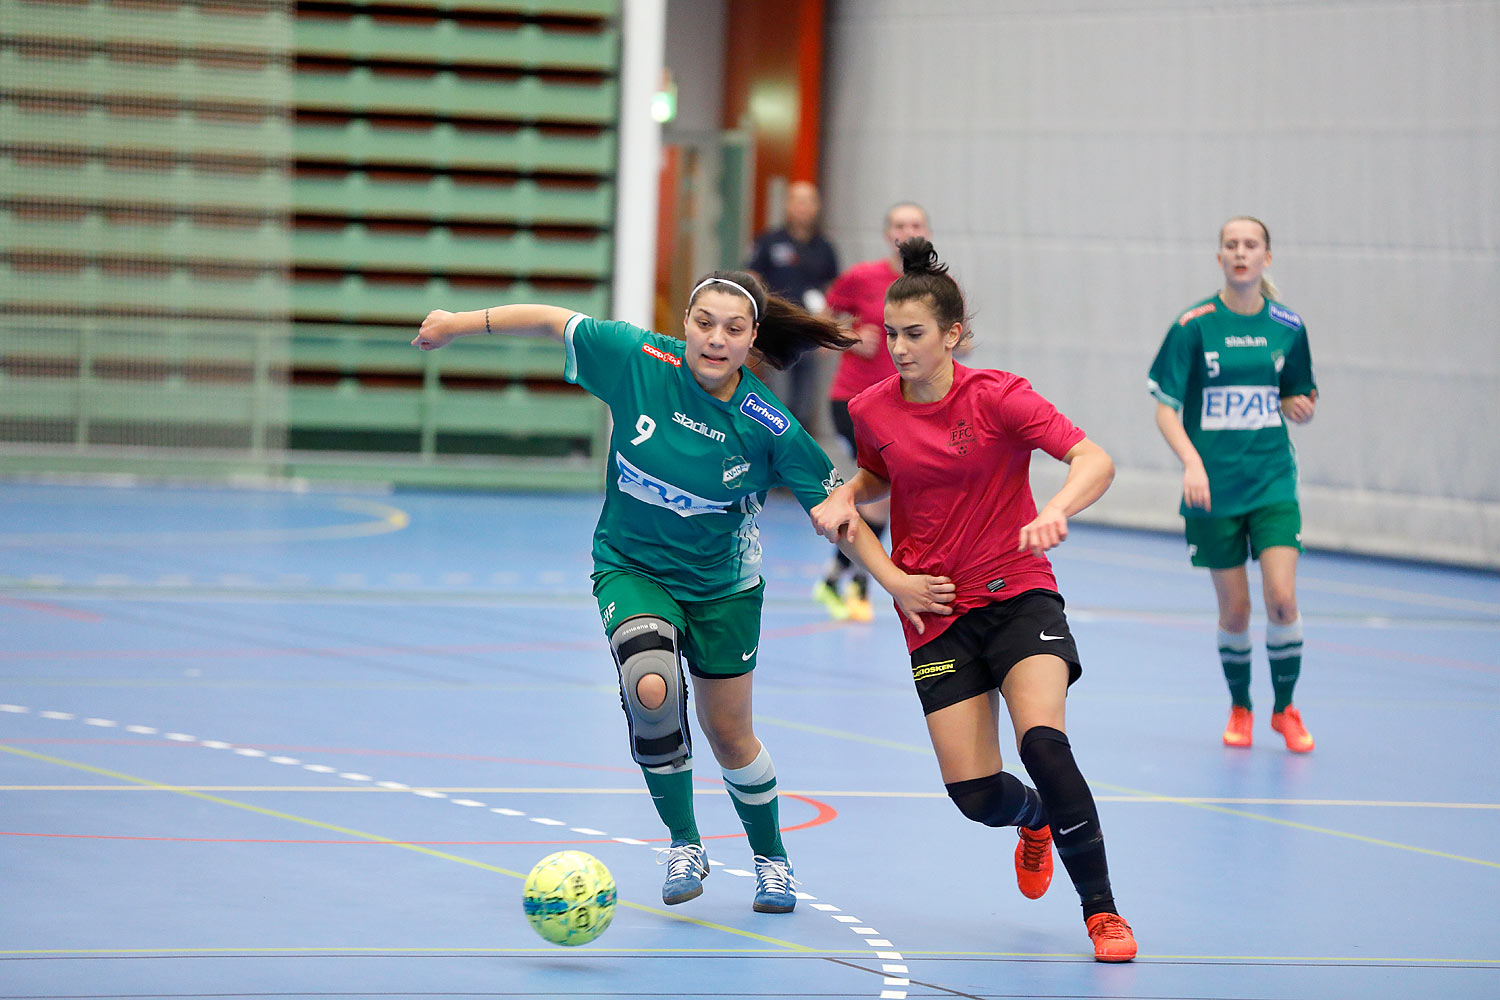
[[719, 638], [1221, 542]]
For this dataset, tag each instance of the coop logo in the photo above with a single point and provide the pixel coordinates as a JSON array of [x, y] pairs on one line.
[[699, 426], [1193, 314], [659, 493], [1240, 408], [1284, 316], [758, 409], [661, 355]]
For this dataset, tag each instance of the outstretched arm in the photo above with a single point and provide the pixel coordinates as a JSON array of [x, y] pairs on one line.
[[440, 327], [1090, 471]]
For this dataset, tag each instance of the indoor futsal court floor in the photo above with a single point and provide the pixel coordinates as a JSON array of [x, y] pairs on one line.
[[280, 743]]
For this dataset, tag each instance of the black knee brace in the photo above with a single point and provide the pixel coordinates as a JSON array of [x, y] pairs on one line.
[[999, 799]]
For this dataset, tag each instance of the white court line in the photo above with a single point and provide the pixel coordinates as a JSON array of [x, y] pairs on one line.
[[868, 933]]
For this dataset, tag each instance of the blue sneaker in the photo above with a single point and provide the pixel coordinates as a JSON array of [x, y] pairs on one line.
[[773, 885], [687, 867]]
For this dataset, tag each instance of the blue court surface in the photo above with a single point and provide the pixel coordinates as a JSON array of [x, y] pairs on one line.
[[279, 743]]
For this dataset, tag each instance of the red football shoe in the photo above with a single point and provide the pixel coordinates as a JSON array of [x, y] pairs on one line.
[[1113, 940], [1034, 862]]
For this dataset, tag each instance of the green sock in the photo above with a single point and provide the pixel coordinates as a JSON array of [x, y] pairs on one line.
[[1284, 650], [1234, 655], [752, 789], [672, 793]]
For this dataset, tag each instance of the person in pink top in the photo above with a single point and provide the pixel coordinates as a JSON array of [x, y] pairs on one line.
[[951, 446], [858, 294]]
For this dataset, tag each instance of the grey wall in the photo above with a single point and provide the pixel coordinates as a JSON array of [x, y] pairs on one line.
[[1078, 156]]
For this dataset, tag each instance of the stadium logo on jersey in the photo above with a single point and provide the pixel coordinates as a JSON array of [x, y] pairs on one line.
[[1246, 342], [660, 355], [699, 426], [763, 412], [1240, 407], [1284, 316], [1193, 314], [961, 436], [734, 470], [660, 493]]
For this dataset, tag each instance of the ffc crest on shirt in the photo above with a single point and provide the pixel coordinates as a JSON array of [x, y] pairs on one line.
[[961, 437]]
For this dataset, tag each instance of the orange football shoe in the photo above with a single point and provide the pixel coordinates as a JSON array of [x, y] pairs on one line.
[[1238, 732], [1113, 940], [859, 607], [1289, 724], [1034, 862]]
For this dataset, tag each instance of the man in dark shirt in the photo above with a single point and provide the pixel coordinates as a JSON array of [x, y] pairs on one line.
[[797, 263]]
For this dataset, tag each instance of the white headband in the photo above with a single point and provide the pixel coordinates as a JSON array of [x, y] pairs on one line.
[[735, 285]]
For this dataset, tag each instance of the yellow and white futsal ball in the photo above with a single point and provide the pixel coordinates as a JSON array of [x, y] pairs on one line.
[[569, 897]]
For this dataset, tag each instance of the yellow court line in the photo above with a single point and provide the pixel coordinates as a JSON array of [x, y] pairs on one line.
[[1135, 794], [374, 838], [804, 953], [1292, 824], [845, 735]]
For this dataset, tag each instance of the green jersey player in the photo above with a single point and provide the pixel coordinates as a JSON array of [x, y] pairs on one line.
[[1230, 369], [698, 442]]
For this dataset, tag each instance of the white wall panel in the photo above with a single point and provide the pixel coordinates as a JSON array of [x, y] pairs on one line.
[[1078, 156]]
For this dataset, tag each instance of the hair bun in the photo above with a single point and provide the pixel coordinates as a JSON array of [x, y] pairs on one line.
[[919, 256]]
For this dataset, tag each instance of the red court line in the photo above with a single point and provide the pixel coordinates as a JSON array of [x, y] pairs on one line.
[[47, 608]]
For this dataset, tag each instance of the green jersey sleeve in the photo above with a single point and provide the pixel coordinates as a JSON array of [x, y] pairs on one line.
[[1296, 372], [599, 352], [1172, 370], [802, 466]]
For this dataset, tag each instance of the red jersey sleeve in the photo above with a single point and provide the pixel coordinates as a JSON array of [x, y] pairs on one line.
[[867, 450], [1028, 417]]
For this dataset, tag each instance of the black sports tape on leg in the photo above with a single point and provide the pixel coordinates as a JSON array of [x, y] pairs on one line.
[[1048, 757], [999, 799]]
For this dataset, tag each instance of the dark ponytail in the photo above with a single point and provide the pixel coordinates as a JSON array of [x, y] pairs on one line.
[[925, 277], [787, 331]]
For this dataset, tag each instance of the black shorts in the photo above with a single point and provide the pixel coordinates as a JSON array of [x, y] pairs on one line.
[[838, 409], [974, 654]]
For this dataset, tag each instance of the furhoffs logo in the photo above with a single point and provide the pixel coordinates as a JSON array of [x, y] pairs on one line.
[[763, 412]]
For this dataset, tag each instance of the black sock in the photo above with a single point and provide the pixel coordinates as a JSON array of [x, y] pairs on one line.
[[841, 564], [1048, 757], [999, 799]]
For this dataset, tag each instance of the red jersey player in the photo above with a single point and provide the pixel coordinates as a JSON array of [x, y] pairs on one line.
[[859, 294], [952, 447]]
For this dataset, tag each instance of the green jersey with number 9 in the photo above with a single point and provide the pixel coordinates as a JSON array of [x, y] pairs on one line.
[[1226, 373], [688, 472]]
